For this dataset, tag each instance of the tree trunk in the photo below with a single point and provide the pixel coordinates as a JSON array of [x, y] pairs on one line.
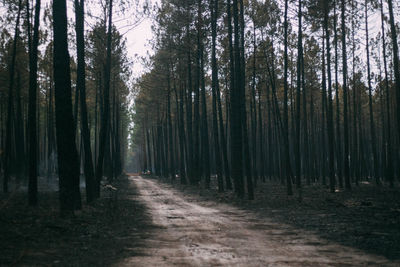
[[105, 127], [345, 96], [235, 110], [68, 163], [287, 170], [10, 107], [339, 157], [33, 58], [389, 173], [298, 104], [331, 136], [371, 111], [396, 64], [215, 84], [242, 86], [81, 86]]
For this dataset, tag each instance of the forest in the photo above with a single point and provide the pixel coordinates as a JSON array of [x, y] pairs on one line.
[[277, 118], [297, 92]]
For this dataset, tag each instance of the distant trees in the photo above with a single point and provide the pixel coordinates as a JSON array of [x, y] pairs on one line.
[[303, 116]]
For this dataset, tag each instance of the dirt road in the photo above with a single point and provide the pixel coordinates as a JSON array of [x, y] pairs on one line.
[[193, 233]]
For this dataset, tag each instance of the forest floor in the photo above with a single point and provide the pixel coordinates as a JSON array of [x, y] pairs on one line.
[[150, 222], [99, 235]]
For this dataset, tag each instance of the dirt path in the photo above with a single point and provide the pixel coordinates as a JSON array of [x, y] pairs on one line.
[[191, 233]]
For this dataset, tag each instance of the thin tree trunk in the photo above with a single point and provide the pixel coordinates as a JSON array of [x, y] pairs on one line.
[[396, 64], [235, 110], [215, 84], [33, 58], [298, 104], [371, 112], [331, 136], [389, 167], [287, 169], [10, 107], [105, 129], [81, 86], [345, 97], [339, 156], [242, 86]]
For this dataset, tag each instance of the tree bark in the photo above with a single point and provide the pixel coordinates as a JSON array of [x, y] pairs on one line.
[[345, 97], [68, 163], [81, 86], [105, 125], [33, 58], [10, 106]]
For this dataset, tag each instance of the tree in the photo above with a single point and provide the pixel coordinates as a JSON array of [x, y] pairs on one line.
[[288, 170], [371, 111], [33, 65], [68, 162], [330, 107], [389, 173], [396, 64], [10, 106], [298, 95], [81, 87], [215, 90], [345, 95], [235, 111], [105, 126]]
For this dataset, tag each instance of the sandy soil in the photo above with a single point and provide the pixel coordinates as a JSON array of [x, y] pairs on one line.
[[193, 233]]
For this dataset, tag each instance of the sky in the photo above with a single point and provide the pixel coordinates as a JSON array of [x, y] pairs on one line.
[[138, 43], [138, 36]]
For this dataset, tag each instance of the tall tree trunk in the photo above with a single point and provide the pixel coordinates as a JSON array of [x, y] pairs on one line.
[[81, 86], [170, 137], [189, 119], [323, 115], [396, 64], [182, 138], [253, 111], [105, 125], [215, 84], [355, 161], [298, 104], [389, 173], [228, 98], [306, 157], [345, 97], [339, 156], [242, 85], [196, 152], [235, 110], [33, 58], [287, 169], [261, 138], [19, 133], [331, 136], [10, 107], [371, 112], [68, 163]]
